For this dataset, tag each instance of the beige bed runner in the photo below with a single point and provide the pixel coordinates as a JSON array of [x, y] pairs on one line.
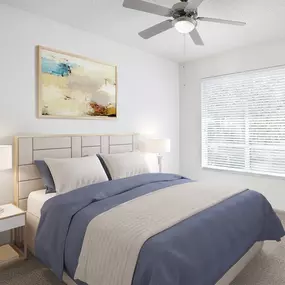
[[114, 239]]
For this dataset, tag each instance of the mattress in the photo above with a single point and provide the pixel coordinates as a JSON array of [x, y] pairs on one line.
[[36, 200]]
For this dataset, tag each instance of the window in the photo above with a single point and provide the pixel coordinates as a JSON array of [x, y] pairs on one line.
[[243, 122]]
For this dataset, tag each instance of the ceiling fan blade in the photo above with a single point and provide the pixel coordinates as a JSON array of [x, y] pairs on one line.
[[147, 7], [156, 29], [221, 21], [195, 36], [193, 4]]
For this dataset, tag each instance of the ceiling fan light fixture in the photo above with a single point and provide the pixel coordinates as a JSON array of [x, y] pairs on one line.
[[184, 25]]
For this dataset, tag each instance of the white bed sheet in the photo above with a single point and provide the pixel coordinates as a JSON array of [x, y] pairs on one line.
[[36, 201]]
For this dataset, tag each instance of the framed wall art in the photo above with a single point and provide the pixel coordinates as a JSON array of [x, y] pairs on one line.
[[72, 86]]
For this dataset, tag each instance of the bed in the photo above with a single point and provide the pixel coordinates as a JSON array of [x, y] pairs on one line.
[[29, 193], [37, 199]]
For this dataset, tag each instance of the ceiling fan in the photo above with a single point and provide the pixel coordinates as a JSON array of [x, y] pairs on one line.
[[183, 16]]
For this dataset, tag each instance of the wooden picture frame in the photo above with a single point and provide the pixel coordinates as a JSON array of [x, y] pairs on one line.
[[75, 87]]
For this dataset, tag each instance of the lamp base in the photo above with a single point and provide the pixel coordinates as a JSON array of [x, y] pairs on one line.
[[159, 160]]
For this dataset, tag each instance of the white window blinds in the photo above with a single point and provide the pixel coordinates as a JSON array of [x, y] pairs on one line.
[[243, 122]]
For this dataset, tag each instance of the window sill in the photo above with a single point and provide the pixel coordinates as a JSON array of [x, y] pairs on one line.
[[243, 173]]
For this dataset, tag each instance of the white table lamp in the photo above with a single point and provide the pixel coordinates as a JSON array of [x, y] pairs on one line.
[[158, 146], [5, 159]]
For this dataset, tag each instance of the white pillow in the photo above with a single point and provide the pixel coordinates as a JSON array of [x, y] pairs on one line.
[[72, 173], [122, 165]]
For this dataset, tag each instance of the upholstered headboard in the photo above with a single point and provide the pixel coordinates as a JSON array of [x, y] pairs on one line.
[[27, 149]]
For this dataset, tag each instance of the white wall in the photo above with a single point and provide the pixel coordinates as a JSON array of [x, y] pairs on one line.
[[148, 98], [190, 116]]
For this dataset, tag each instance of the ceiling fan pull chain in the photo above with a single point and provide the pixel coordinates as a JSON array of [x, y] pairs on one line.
[[184, 46]]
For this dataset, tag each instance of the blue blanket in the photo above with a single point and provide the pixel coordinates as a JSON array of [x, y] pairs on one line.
[[211, 241]]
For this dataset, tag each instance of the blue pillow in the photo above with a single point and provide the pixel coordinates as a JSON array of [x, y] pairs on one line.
[[46, 176]]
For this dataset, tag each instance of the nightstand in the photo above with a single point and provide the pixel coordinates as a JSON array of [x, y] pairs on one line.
[[10, 219]]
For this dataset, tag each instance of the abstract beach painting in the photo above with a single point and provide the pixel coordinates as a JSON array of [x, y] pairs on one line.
[[71, 86]]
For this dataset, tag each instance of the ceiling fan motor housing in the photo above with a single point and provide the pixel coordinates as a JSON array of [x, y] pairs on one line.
[[178, 10]]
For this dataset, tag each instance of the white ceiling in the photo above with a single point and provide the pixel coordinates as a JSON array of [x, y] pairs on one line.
[[265, 22]]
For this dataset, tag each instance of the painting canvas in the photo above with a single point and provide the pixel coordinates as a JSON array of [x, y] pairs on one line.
[[72, 86]]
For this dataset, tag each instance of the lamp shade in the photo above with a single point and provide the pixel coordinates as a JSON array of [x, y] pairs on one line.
[[157, 145], [5, 157]]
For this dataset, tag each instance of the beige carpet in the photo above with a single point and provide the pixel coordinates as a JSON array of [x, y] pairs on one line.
[[29, 272], [267, 268]]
